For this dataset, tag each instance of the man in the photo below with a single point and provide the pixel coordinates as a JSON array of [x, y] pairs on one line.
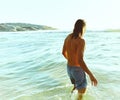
[[73, 51]]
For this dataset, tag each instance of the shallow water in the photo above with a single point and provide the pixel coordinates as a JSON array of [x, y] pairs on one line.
[[33, 68]]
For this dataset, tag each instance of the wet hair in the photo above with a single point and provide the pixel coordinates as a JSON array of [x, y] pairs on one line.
[[78, 28]]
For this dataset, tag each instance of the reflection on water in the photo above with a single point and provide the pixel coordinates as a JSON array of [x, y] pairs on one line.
[[33, 68]]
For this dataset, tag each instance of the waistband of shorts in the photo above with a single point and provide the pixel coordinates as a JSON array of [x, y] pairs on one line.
[[73, 66]]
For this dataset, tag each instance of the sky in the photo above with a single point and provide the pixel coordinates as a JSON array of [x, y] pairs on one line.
[[62, 14]]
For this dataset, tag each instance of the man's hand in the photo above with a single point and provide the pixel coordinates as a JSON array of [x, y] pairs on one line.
[[94, 81]]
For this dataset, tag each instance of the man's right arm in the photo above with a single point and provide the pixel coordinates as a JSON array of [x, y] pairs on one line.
[[82, 62]]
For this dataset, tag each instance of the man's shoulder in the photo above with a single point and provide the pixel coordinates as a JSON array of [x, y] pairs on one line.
[[81, 40], [68, 36]]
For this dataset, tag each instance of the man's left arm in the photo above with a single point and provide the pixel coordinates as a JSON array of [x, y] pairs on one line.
[[64, 51]]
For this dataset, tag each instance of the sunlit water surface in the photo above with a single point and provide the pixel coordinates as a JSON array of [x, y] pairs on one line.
[[33, 68]]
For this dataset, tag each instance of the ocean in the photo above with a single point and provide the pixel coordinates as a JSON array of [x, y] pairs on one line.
[[32, 66]]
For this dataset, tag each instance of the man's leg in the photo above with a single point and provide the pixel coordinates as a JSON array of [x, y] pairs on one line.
[[81, 93], [73, 88]]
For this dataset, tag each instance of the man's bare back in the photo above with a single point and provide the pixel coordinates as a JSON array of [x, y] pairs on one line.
[[75, 50]]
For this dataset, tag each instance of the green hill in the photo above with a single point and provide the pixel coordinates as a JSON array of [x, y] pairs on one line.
[[14, 27], [112, 30]]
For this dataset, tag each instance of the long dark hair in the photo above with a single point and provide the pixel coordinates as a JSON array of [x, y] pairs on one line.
[[78, 28]]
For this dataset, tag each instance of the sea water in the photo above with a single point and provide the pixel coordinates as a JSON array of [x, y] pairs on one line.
[[33, 68]]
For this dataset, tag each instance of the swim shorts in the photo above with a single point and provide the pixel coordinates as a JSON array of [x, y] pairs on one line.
[[77, 76]]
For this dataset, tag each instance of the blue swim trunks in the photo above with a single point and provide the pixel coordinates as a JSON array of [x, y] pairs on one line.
[[77, 76]]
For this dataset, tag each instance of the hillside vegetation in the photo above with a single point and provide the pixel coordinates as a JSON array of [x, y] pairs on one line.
[[14, 27]]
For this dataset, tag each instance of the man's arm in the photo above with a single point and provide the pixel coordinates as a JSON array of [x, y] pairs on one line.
[[64, 51], [82, 63]]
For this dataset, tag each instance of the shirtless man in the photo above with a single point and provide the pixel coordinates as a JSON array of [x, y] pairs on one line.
[[73, 51]]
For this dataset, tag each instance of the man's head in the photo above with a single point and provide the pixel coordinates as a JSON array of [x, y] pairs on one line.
[[79, 28]]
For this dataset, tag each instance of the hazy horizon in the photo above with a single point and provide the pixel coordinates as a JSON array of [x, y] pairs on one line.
[[99, 15], [57, 29]]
